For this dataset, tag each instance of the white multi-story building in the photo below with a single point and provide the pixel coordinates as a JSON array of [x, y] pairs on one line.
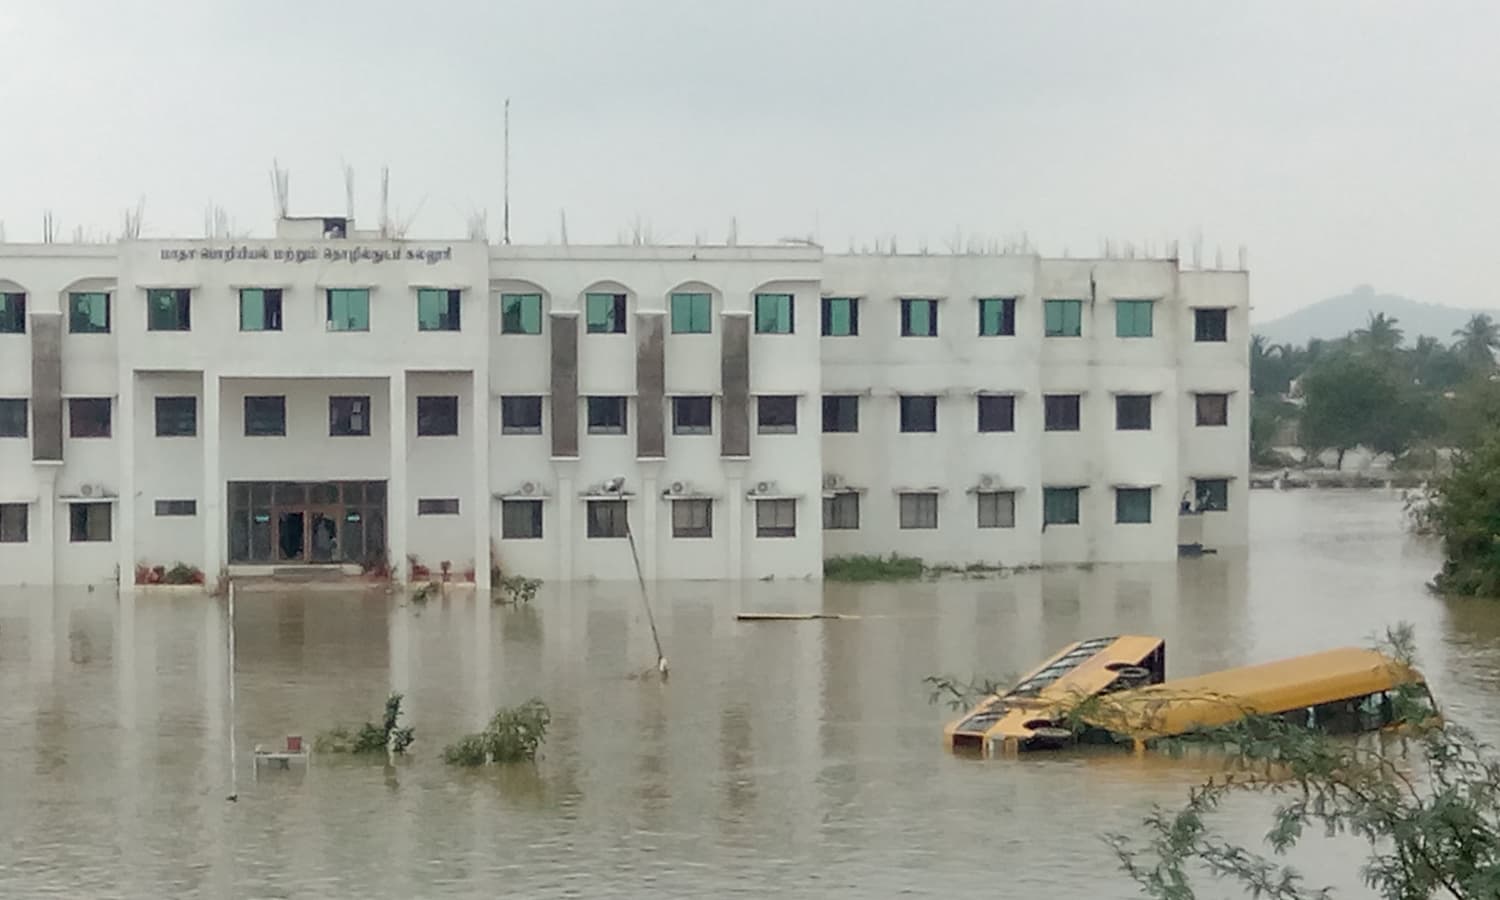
[[332, 396]]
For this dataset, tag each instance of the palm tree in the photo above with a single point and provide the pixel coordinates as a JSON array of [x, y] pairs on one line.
[[1382, 335], [1477, 342]]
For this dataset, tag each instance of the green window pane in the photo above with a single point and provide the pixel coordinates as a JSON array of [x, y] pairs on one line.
[[1064, 318], [348, 309], [1133, 506], [919, 318], [437, 310], [88, 313], [604, 313], [1060, 506], [521, 313], [773, 313], [252, 310], [12, 313], [690, 313], [1133, 318], [841, 317], [997, 316]]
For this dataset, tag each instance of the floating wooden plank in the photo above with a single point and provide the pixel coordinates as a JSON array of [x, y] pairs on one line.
[[788, 617]]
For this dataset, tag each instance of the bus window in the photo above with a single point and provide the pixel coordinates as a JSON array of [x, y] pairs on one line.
[[1373, 711]]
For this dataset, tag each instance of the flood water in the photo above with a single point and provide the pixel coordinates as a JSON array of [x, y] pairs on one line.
[[793, 758]]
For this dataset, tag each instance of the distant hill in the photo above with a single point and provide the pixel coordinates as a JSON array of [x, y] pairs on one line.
[[1337, 316]]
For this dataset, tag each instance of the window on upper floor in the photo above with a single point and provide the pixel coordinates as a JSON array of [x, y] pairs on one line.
[[692, 415], [776, 518], [692, 517], [12, 313], [260, 309], [997, 509], [265, 416], [88, 312], [521, 415], [997, 412], [840, 413], [169, 309], [520, 313], [176, 508], [774, 314], [776, 414], [692, 313], [13, 417], [1211, 409], [1210, 325], [176, 416], [919, 510], [606, 415], [348, 309], [437, 506], [1061, 412], [919, 318], [1133, 506], [997, 316], [1212, 494], [607, 518], [918, 413], [604, 313], [1064, 318], [90, 522], [840, 316], [1060, 505], [437, 416], [13, 523], [841, 511], [89, 417], [520, 520], [438, 309], [1132, 412], [1133, 318], [349, 416]]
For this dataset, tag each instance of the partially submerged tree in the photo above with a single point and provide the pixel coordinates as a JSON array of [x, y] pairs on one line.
[[1465, 512], [388, 736]]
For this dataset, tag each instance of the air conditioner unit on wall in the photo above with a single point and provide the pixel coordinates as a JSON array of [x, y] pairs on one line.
[[832, 481], [987, 481], [528, 487], [679, 487], [765, 487]]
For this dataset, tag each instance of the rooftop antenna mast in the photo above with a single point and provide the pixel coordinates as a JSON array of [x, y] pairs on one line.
[[385, 201], [505, 225]]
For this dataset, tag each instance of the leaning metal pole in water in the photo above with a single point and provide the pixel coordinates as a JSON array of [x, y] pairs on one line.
[[234, 769], [661, 659]]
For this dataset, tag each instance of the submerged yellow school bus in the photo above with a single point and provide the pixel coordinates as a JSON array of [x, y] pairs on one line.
[[1026, 717], [1345, 690]]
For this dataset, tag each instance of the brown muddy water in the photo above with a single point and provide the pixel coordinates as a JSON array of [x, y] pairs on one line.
[[788, 759]]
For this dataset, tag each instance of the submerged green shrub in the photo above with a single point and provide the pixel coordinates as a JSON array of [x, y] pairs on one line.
[[512, 735], [370, 738], [873, 568]]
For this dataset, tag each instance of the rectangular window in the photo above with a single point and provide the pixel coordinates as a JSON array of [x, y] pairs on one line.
[[841, 511], [1212, 409], [348, 309], [89, 417], [691, 313], [606, 415], [604, 313], [1211, 325], [260, 309], [606, 518], [1133, 506], [13, 523], [776, 414], [840, 316], [692, 518], [918, 414], [177, 507], [1212, 494], [997, 317], [1061, 412], [89, 522], [265, 416], [521, 415], [12, 313], [169, 309], [521, 314], [997, 412], [521, 520], [919, 510], [1133, 318], [1060, 506], [438, 310], [692, 415], [176, 416], [919, 318], [88, 312], [13, 417], [437, 506], [773, 314], [841, 414], [1064, 318], [348, 416], [997, 509], [437, 416], [1132, 412], [775, 518]]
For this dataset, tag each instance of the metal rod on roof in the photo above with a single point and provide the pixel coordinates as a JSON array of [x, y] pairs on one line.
[[505, 227]]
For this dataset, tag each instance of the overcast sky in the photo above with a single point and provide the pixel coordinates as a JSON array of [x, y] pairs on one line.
[[1342, 142]]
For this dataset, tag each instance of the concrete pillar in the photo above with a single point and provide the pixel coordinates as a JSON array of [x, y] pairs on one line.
[[566, 504], [211, 508], [397, 511], [124, 440], [483, 503], [648, 542], [43, 531], [735, 503]]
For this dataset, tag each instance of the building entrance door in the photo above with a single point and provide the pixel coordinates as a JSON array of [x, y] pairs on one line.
[[322, 536], [291, 535], [289, 522]]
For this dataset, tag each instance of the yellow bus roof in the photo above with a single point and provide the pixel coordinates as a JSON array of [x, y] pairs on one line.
[[1178, 706]]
